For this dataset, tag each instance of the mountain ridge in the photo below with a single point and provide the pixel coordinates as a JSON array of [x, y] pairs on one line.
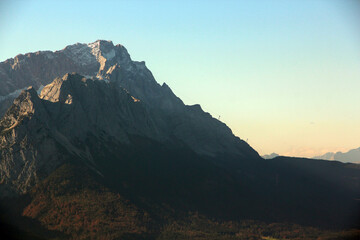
[[88, 59], [353, 156]]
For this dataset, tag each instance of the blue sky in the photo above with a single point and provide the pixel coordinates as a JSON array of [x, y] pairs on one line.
[[283, 74]]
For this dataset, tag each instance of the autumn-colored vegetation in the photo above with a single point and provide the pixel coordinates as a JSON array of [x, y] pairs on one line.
[[72, 203], [85, 212], [201, 228]]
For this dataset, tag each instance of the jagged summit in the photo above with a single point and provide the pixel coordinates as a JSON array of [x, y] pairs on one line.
[[101, 42], [98, 48], [40, 68], [103, 46], [54, 91], [99, 52]]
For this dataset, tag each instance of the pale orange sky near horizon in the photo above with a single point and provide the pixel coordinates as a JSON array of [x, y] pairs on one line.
[[307, 139]]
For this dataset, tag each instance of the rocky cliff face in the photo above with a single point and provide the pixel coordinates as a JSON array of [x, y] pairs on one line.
[[27, 150], [98, 59], [40, 132], [40, 68]]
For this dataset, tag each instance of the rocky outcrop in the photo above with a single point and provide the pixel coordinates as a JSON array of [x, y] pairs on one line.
[[40, 68], [27, 150]]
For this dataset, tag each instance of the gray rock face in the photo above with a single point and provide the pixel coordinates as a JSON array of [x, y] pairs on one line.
[[117, 98], [40, 68], [38, 133], [101, 60], [27, 151], [79, 106]]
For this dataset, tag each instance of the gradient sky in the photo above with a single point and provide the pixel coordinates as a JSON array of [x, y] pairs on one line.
[[283, 74]]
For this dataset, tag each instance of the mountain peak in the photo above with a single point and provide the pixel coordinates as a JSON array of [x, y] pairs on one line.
[[71, 76], [23, 108], [63, 89], [102, 48], [270, 156], [101, 43], [31, 91], [89, 59], [98, 52]]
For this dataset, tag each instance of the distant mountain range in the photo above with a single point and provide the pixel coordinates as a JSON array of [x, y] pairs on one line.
[[352, 156], [96, 148], [270, 156]]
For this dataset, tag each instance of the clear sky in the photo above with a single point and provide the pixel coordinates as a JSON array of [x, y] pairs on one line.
[[283, 74]]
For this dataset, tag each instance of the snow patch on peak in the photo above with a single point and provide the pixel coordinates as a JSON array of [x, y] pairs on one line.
[[102, 48], [95, 44], [99, 43], [95, 48], [80, 53]]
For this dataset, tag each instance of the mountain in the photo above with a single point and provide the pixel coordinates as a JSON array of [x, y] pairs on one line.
[[352, 156], [94, 60], [102, 106], [102, 60], [270, 156], [116, 155]]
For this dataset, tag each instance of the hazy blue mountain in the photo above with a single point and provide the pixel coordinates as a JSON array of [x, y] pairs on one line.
[[270, 156], [352, 156]]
